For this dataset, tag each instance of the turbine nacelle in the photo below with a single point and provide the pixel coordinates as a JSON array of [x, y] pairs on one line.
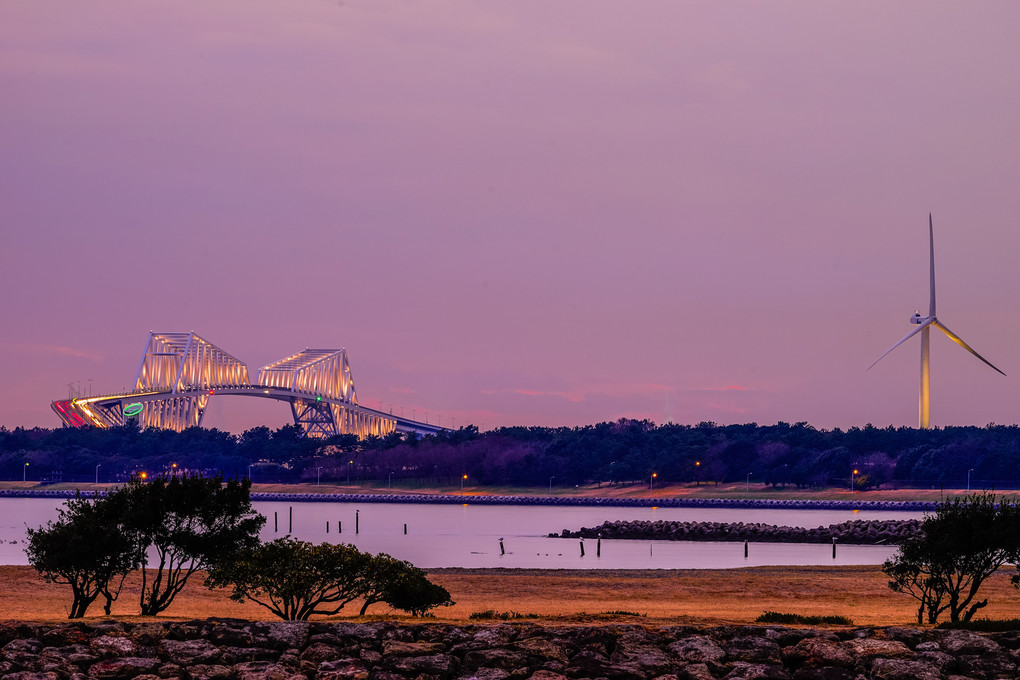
[[918, 319]]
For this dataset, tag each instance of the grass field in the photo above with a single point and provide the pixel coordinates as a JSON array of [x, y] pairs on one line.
[[573, 596]]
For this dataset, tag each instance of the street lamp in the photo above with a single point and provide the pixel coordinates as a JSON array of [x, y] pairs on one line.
[[97, 472], [349, 463], [24, 473], [462, 484], [550, 484], [697, 478], [651, 480], [747, 484], [318, 472], [968, 479], [852, 475]]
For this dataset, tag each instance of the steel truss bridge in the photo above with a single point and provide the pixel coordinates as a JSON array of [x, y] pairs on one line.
[[180, 372]]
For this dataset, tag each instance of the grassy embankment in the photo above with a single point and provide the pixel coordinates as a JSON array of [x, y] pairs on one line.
[[732, 490]]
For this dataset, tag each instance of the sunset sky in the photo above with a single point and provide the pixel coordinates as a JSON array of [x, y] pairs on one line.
[[517, 213]]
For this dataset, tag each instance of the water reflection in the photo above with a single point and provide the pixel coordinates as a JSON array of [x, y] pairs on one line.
[[469, 535]]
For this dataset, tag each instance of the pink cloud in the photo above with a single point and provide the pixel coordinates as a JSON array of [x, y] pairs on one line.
[[53, 350]]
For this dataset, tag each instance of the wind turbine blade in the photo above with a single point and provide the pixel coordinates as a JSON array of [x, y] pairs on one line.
[[959, 341], [931, 269], [903, 340]]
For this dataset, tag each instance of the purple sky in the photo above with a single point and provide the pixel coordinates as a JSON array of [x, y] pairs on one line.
[[527, 212]]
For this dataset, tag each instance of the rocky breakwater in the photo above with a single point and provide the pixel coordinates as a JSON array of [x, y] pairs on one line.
[[862, 532], [220, 649]]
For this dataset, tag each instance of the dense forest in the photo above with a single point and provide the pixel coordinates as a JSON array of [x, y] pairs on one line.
[[626, 451]]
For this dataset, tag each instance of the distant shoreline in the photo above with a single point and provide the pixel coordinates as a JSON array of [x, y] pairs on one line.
[[586, 501]]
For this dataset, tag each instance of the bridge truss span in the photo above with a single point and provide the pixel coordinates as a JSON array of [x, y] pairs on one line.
[[187, 366], [180, 373]]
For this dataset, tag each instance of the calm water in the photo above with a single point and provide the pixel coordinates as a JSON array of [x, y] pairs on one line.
[[469, 535]]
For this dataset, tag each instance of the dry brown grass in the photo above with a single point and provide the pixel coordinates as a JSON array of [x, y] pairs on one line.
[[688, 596]]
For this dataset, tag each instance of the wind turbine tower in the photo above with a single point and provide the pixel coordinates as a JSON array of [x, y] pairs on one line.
[[924, 325]]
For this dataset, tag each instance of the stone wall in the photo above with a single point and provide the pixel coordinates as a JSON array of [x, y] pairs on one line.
[[226, 649]]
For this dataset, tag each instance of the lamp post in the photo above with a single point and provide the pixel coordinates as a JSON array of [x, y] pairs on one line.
[[651, 481], [747, 484], [97, 472], [697, 478], [550, 484], [852, 475], [463, 477], [318, 473], [24, 473], [349, 463], [968, 479]]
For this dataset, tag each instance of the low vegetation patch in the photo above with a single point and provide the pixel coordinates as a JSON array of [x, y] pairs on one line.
[[493, 615], [982, 625], [777, 617]]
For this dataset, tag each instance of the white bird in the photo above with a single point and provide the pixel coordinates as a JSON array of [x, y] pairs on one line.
[[924, 323]]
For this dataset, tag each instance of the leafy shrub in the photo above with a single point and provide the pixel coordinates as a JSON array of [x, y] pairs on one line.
[[296, 579], [777, 617]]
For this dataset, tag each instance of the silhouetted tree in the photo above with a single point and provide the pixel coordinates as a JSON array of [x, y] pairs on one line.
[[85, 548]]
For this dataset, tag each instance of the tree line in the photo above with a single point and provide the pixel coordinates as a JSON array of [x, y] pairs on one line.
[[611, 453], [169, 528]]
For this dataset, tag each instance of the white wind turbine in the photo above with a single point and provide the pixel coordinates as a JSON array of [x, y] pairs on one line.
[[924, 323]]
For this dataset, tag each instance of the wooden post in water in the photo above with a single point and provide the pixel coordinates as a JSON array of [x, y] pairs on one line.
[[745, 549], [833, 547], [357, 522], [276, 522], [339, 527], [290, 527], [405, 528], [502, 550], [598, 547], [582, 547], [327, 526]]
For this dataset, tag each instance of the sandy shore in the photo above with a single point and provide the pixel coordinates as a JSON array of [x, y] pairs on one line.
[[659, 596]]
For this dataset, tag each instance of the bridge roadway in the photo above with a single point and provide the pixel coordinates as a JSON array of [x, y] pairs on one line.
[[106, 402]]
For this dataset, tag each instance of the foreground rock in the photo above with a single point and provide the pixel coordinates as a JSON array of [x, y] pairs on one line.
[[228, 649], [864, 532]]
